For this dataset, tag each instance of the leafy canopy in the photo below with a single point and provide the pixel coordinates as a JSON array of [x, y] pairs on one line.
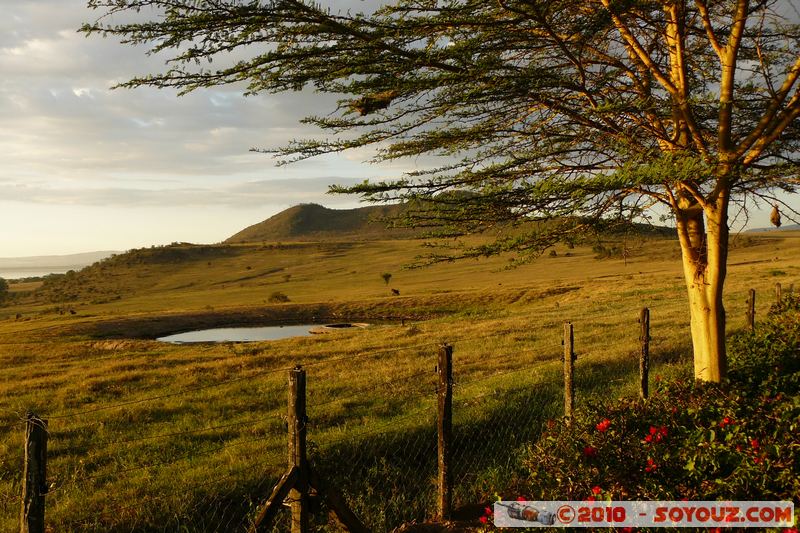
[[580, 111]]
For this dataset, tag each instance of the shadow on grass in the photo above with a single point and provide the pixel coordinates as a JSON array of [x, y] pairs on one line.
[[390, 478]]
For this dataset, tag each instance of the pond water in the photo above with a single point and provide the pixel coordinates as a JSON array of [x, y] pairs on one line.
[[265, 333]]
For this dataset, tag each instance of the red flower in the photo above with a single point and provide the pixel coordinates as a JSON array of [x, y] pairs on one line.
[[789, 530], [754, 443], [756, 460], [603, 425], [627, 529], [596, 490], [590, 451], [590, 499], [656, 433], [725, 422], [488, 511], [521, 499], [484, 520], [651, 465]]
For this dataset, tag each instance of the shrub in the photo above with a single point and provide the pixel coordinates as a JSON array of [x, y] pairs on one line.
[[386, 277], [693, 440], [278, 297]]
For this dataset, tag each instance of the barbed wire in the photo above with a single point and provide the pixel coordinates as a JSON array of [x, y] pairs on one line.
[[529, 366], [496, 361], [375, 429], [188, 390], [108, 512], [18, 423], [168, 462], [80, 359], [73, 451], [181, 392], [8, 499], [372, 388]]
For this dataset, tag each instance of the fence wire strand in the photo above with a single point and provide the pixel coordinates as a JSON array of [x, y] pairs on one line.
[[382, 462]]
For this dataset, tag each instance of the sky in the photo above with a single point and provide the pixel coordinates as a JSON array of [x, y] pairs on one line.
[[84, 167]]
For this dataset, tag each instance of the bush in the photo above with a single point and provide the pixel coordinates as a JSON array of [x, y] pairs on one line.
[[699, 441], [613, 251], [278, 297]]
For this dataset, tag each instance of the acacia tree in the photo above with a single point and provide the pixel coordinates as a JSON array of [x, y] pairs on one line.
[[575, 112]]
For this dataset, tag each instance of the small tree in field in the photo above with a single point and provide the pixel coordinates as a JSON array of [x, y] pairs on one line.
[[555, 116], [386, 277]]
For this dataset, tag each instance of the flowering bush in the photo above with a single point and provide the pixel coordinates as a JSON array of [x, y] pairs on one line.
[[697, 441]]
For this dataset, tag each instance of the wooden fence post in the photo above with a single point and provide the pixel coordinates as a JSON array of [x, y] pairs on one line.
[[569, 359], [644, 354], [778, 295], [298, 496], [445, 429], [34, 480], [294, 485], [751, 310]]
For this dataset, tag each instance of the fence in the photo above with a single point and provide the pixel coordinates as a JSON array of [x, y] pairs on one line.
[[462, 429]]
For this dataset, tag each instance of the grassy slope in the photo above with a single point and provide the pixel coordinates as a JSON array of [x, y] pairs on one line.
[[310, 222], [497, 320]]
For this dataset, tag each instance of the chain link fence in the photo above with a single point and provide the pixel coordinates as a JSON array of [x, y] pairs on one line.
[[140, 465]]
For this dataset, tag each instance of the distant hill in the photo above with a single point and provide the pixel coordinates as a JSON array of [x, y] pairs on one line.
[[42, 265], [311, 222], [39, 261], [788, 227]]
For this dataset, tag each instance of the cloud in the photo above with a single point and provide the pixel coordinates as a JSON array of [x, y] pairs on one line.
[[250, 194], [60, 118]]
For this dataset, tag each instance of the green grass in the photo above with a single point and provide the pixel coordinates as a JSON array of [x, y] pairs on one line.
[[371, 401]]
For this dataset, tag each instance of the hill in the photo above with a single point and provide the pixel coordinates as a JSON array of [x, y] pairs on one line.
[[59, 261], [790, 227], [31, 267], [188, 429], [313, 222]]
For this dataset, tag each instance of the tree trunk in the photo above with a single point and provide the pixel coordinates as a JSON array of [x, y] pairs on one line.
[[705, 256]]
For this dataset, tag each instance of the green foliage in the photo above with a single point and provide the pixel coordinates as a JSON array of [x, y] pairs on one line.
[[700, 441], [3, 288], [540, 109], [277, 297], [611, 251]]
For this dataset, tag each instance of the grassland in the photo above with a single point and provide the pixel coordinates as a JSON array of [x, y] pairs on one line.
[[148, 436]]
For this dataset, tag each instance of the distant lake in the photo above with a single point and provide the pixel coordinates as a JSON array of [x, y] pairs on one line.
[[266, 333], [33, 273]]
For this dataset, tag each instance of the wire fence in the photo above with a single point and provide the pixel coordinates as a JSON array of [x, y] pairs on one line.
[[147, 463]]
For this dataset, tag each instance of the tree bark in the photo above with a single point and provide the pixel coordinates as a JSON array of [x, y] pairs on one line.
[[705, 253]]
